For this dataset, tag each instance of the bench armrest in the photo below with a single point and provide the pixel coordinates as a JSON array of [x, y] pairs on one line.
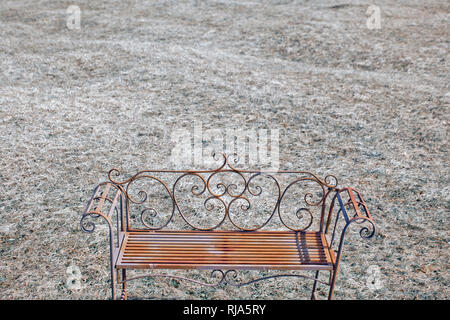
[[113, 215], [353, 209]]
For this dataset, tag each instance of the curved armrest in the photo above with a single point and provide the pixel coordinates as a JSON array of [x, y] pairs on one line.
[[98, 207], [358, 204], [98, 200], [354, 210]]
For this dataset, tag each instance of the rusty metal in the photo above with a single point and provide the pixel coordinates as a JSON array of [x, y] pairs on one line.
[[236, 246], [206, 176], [223, 278]]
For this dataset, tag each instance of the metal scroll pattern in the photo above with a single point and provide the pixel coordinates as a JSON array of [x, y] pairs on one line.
[[231, 197], [224, 278]]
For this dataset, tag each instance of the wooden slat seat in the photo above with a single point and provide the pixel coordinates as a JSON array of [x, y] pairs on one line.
[[225, 250]]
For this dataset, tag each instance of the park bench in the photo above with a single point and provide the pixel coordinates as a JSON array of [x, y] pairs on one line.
[[224, 220]]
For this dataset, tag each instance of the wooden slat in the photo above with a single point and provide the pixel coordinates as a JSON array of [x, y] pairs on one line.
[[332, 255], [217, 250], [353, 200], [103, 197], [210, 266], [91, 202], [294, 244], [364, 204], [224, 249], [243, 246], [114, 203], [230, 260], [218, 233]]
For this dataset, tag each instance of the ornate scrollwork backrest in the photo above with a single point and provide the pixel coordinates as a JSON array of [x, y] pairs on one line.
[[228, 190]]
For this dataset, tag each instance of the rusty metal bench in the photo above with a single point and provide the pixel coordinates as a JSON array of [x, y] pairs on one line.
[[239, 238]]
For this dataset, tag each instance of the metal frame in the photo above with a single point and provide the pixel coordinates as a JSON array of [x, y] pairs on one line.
[[348, 202]]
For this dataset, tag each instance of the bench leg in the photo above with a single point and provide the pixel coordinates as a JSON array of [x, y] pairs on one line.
[[332, 283], [313, 293], [124, 285], [113, 283]]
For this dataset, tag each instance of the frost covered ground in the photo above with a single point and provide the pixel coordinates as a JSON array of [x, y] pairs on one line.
[[370, 106]]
